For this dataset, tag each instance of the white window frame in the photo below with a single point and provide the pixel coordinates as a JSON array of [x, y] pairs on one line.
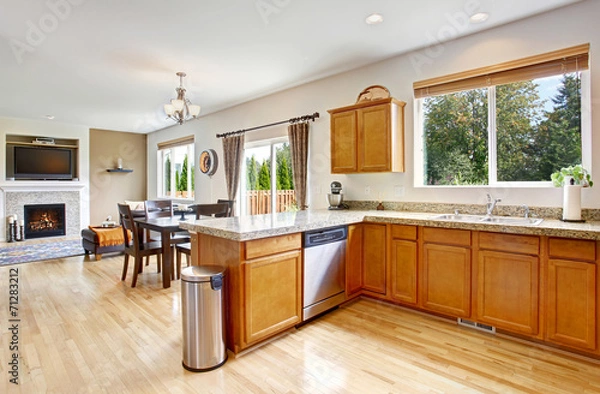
[[257, 144], [586, 142], [160, 173]]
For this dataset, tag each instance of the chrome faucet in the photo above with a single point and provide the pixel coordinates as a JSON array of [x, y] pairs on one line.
[[491, 204], [525, 211]]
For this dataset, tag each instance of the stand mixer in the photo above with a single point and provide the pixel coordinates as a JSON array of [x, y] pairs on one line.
[[336, 198]]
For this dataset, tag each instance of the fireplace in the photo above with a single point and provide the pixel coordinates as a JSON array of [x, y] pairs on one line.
[[44, 220]]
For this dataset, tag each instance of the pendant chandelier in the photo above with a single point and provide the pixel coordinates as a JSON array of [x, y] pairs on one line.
[[181, 109]]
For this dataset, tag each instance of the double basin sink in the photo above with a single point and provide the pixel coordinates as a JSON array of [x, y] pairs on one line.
[[519, 221]]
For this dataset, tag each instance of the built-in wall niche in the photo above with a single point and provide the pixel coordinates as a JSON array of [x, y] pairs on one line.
[[41, 158]]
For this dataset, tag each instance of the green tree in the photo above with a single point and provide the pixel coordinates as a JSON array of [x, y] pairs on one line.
[[559, 136], [455, 138], [251, 173], [518, 115], [183, 178], [285, 180], [167, 174], [264, 176], [531, 142], [177, 183]]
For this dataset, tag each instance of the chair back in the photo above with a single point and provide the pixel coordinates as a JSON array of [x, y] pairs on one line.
[[216, 210], [158, 209], [128, 225], [229, 203]]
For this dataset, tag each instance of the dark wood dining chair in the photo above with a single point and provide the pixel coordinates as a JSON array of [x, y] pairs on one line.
[[134, 246], [216, 210], [160, 209], [230, 203]]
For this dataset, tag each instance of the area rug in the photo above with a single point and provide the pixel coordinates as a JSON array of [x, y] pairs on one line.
[[20, 253]]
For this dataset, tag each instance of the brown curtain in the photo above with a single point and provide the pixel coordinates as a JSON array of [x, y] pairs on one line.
[[233, 152], [298, 135]]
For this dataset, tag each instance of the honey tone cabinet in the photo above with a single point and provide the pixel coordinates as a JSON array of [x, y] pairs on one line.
[[368, 137], [374, 258], [508, 277], [572, 294], [445, 272], [403, 264], [272, 283], [354, 253]]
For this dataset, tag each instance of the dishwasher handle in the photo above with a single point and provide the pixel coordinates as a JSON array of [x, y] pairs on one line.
[[325, 236]]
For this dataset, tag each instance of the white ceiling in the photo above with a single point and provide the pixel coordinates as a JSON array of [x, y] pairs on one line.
[[111, 64]]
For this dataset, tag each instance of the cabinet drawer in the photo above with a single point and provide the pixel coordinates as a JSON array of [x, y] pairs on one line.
[[268, 246], [447, 236], [404, 232], [574, 249], [525, 244]]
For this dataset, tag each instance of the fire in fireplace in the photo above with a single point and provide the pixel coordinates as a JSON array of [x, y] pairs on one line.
[[44, 220]]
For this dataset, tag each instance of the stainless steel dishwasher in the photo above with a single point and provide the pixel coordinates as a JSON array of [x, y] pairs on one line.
[[324, 270]]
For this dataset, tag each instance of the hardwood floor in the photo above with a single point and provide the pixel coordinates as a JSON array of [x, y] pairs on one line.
[[82, 330]]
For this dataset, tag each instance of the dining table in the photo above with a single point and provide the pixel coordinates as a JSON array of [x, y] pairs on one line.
[[165, 226]]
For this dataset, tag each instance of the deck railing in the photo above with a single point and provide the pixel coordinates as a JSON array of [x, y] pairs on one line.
[[259, 201]]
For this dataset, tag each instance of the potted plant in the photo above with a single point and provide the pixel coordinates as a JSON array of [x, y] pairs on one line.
[[572, 179]]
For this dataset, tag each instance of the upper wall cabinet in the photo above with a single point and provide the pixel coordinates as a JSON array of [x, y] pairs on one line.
[[368, 137]]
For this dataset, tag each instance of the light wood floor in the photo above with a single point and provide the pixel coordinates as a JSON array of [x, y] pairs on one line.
[[82, 330]]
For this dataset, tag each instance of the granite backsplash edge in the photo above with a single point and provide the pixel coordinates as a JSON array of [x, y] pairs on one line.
[[471, 209]]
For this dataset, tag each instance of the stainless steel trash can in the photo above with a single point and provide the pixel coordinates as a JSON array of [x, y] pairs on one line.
[[202, 302]]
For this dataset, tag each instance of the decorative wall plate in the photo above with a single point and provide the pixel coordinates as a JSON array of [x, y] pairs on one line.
[[208, 162], [374, 92]]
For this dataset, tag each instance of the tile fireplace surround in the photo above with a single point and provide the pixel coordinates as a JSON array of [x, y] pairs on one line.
[[17, 195]]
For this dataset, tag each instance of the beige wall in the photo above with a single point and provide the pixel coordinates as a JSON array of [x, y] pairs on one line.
[[568, 26], [109, 188]]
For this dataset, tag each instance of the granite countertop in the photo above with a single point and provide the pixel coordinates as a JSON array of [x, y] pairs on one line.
[[246, 228]]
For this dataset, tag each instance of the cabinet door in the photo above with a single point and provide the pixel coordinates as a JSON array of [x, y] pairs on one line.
[[343, 142], [354, 253], [374, 139], [446, 279], [508, 288], [571, 306], [404, 271], [374, 258], [273, 296]]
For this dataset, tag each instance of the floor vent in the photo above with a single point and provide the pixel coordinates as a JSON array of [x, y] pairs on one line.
[[477, 326]]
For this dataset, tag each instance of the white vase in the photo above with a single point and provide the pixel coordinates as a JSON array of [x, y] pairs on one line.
[[572, 202]]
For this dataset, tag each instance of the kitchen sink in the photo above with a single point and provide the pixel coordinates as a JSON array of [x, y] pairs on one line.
[[488, 219], [458, 218], [512, 220]]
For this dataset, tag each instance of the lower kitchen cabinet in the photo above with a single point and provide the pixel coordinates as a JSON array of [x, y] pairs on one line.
[[508, 282], [445, 271], [272, 294], [508, 291], [571, 309], [403, 262], [374, 258], [446, 280], [354, 253]]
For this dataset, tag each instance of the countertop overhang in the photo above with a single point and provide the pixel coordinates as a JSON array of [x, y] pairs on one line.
[[245, 228]]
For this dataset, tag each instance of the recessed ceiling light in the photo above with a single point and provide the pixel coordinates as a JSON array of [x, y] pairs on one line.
[[479, 17], [374, 19], [49, 117]]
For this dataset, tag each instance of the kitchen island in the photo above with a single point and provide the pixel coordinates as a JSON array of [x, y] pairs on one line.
[[535, 282]]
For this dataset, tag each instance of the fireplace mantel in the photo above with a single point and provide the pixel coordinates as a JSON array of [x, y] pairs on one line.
[[41, 186], [17, 194]]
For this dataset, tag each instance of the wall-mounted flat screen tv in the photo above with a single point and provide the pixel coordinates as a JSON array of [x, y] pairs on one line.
[[43, 163]]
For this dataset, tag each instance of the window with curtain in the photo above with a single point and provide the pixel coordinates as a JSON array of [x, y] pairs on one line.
[[266, 178], [512, 123], [175, 164]]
